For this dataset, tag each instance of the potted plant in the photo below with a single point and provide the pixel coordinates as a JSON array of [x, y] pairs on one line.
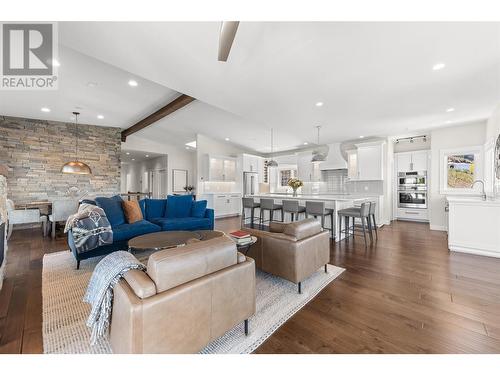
[[295, 183], [189, 189]]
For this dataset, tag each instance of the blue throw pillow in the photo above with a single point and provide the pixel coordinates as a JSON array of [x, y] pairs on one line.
[[113, 209], [178, 206], [155, 208], [198, 208]]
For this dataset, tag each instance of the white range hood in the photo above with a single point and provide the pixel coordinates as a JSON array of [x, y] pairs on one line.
[[334, 159]]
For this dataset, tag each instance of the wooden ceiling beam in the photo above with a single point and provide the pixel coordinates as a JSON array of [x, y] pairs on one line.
[[171, 107]]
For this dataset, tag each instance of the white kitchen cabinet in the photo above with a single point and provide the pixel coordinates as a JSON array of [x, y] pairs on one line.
[[366, 161], [352, 164], [227, 204], [304, 167], [221, 168], [250, 163], [412, 161]]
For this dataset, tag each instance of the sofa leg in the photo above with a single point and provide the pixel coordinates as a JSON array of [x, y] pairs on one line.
[[246, 327], [326, 270], [78, 264], [300, 287]]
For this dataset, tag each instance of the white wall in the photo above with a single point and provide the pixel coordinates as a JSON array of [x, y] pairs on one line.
[[471, 134], [178, 156]]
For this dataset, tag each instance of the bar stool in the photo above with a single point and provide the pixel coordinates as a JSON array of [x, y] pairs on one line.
[[249, 203], [371, 218], [293, 208], [318, 209], [267, 204], [362, 213]]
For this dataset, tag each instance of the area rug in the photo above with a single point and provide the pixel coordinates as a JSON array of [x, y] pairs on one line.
[[64, 312]]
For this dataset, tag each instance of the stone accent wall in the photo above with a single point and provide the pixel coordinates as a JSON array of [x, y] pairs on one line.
[[3, 219], [35, 150]]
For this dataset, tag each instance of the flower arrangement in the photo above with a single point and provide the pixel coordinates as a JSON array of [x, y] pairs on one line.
[[295, 183], [189, 189]]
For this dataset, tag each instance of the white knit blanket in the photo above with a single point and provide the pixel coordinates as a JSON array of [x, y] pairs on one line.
[[100, 289]]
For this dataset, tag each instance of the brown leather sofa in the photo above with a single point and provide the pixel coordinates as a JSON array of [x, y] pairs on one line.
[[293, 251], [189, 296]]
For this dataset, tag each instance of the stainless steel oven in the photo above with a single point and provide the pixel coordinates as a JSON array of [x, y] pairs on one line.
[[412, 180], [412, 199], [412, 189]]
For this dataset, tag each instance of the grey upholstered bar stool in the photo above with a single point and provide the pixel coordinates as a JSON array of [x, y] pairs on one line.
[[361, 213], [249, 203], [372, 223], [267, 204], [293, 208], [316, 208]]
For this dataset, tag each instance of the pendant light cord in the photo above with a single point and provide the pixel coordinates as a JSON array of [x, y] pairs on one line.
[[76, 130]]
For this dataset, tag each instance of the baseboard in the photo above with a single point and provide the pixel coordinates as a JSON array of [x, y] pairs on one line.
[[461, 249], [441, 228]]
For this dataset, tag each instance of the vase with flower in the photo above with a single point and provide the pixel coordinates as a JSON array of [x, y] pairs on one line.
[[295, 183]]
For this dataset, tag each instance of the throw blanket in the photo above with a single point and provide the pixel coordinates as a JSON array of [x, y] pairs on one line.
[[100, 290], [90, 228]]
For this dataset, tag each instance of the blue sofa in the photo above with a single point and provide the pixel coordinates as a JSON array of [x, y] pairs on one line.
[[177, 212]]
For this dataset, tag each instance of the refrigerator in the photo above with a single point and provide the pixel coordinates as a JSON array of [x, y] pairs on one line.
[[250, 183]]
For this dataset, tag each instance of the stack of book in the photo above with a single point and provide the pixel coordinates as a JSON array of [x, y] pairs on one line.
[[241, 238]]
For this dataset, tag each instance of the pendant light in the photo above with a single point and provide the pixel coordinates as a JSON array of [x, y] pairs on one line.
[[76, 167], [272, 162], [318, 155]]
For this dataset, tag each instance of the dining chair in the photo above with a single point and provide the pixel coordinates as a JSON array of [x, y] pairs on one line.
[[61, 210], [24, 216]]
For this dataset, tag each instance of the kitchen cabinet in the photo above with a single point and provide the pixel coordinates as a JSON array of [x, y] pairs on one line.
[[252, 163], [365, 163], [227, 204], [221, 168], [412, 161]]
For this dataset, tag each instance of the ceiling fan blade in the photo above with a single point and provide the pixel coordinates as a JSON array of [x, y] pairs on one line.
[[226, 37]]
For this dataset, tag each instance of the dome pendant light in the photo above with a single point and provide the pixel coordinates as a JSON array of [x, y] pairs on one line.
[[272, 162], [318, 155], [76, 167]]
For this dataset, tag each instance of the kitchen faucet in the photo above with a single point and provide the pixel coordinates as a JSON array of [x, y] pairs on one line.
[[483, 195]]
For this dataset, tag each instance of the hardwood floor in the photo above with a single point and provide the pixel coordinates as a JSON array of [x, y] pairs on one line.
[[405, 294]]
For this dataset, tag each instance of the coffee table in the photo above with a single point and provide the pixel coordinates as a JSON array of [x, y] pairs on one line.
[[162, 240]]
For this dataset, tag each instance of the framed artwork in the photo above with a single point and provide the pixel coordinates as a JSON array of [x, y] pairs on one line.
[[179, 180], [460, 167]]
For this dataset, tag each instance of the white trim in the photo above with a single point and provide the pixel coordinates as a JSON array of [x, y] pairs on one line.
[[467, 250], [441, 228]]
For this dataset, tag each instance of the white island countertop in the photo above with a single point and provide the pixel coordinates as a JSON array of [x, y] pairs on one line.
[[473, 199], [318, 197]]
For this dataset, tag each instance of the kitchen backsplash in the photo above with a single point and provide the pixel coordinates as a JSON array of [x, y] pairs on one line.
[[337, 182]]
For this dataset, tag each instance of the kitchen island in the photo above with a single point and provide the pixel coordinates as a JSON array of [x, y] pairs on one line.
[[473, 225], [334, 201]]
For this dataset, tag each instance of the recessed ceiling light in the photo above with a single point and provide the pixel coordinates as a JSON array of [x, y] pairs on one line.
[[91, 84], [361, 136], [100, 117], [438, 66], [319, 104], [128, 153], [45, 109], [147, 156], [450, 109], [132, 83], [226, 139], [448, 121], [133, 159], [187, 148], [305, 143]]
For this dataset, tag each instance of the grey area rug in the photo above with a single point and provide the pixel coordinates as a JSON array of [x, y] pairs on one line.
[[64, 312]]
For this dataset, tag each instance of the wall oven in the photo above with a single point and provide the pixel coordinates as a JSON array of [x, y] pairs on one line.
[[412, 180], [412, 189]]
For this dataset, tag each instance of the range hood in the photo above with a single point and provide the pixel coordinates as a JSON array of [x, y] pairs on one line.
[[334, 160]]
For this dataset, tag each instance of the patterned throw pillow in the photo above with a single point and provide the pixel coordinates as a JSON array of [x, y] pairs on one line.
[[132, 211]]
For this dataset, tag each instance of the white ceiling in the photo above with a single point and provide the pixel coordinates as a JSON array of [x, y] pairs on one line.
[[112, 97], [375, 79]]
